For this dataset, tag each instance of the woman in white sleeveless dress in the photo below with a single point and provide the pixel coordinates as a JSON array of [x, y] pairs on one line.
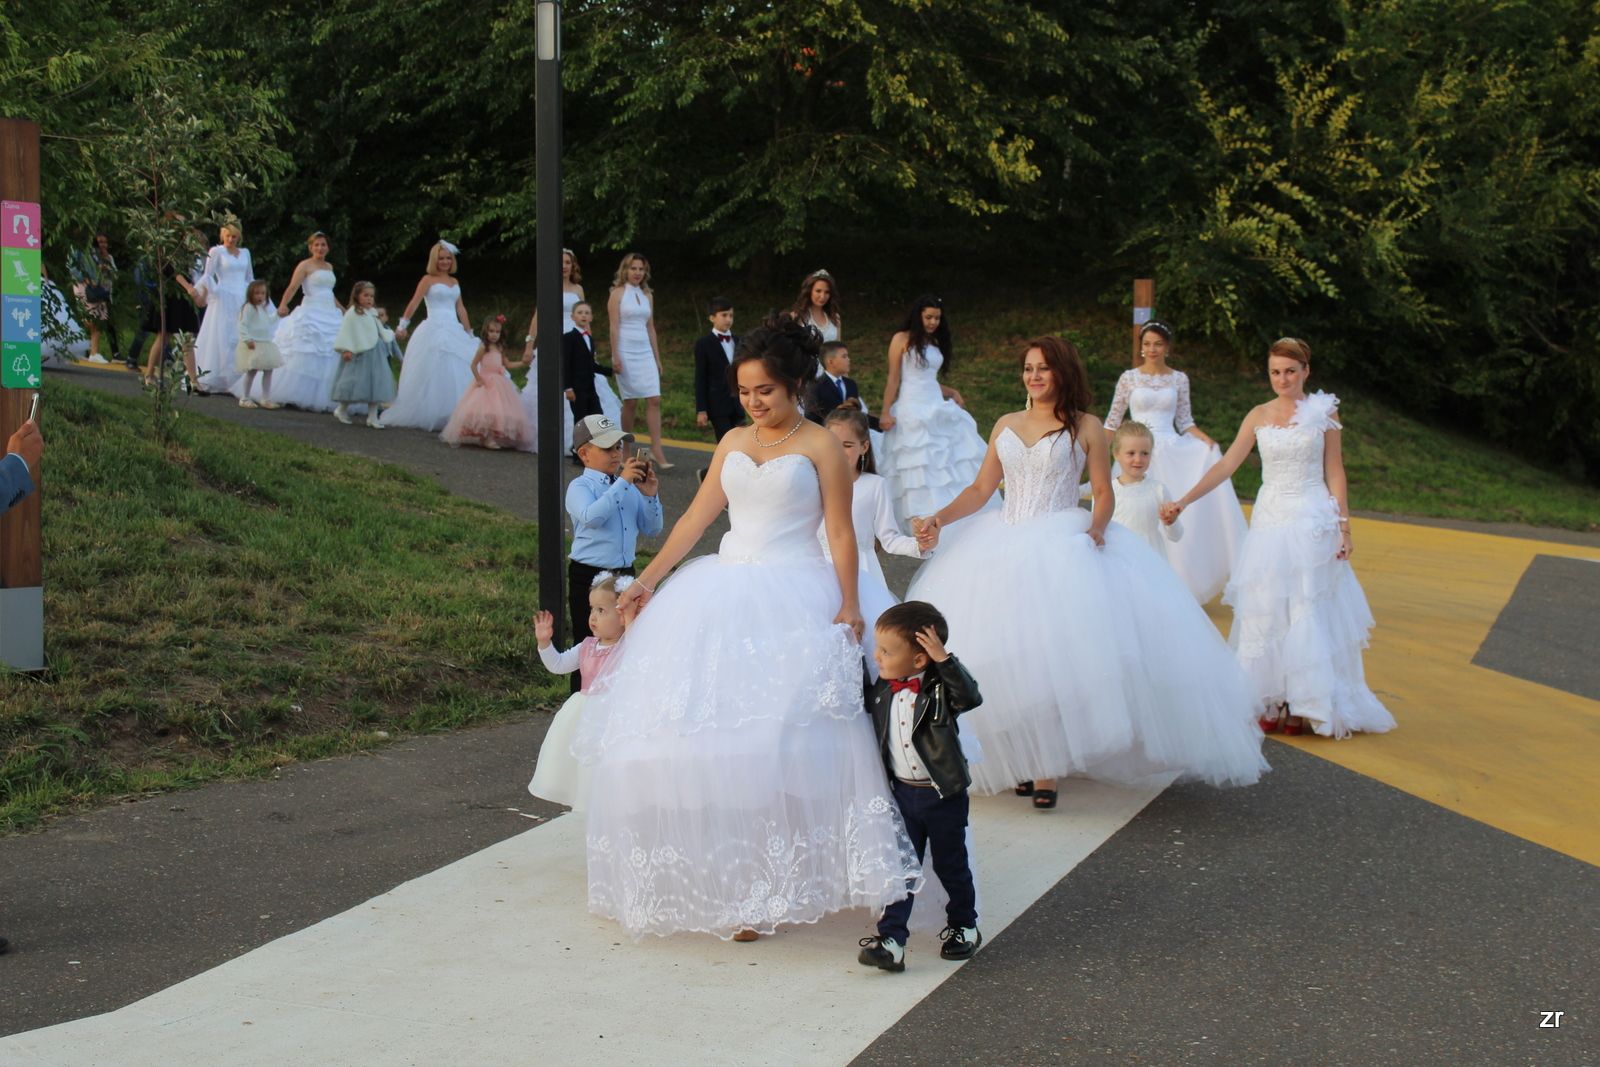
[[437, 369], [818, 305], [635, 352], [1094, 658], [228, 273], [610, 406], [1158, 396], [931, 446], [736, 786], [1300, 619], [305, 337]]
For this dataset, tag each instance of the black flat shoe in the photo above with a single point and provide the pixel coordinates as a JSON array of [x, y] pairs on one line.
[[1024, 789], [959, 944], [882, 953], [1044, 799]]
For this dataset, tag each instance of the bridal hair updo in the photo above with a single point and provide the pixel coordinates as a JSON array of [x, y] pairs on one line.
[[784, 346], [1291, 348]]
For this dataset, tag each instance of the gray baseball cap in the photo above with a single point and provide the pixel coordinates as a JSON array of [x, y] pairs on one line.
[[597, 430]]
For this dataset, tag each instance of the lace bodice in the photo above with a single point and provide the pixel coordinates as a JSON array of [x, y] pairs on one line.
[[441, 301], [920, 384], [773, 509], [1160, 401], [1291, 461], [228, 273], [1040, 479], [318, 290], [636, 308]]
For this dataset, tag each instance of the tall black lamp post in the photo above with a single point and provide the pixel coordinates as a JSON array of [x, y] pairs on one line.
[[547, 249]]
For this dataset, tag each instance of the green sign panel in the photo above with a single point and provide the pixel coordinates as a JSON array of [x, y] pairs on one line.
[[19, 272], [19, 364]]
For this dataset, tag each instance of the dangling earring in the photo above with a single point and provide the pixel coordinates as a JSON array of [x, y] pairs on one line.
[[861, 462], [1028, 406]]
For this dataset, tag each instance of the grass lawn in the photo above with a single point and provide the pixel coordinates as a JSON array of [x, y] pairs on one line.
[[240, 601]]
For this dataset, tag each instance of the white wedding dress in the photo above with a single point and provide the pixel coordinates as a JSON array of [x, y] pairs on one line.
[[305, 340], [1300, 619], [736, 782], [934, 450], [437, 369], [1092, 661], [1214, 523], [874, 523], [225, 278]]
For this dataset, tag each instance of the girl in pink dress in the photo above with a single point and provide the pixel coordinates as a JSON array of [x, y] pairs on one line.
[[490, 412]]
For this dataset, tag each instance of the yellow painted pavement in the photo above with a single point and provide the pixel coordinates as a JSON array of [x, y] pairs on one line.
[[1519, 756]]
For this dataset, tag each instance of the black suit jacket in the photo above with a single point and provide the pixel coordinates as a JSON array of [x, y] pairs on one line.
[[712, 393], [578, 366], [822, 396]]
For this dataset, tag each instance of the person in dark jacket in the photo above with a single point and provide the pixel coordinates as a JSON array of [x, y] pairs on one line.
[[920, 691], [578, 365]]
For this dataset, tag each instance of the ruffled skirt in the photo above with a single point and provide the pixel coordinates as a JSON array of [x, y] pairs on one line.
[[933, 452], [489, 415], [736, 779], [1092, 661], [558, 775], [1301, 621]]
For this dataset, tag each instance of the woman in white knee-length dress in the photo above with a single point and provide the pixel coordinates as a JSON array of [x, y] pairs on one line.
[[304, 338], [1158, 396], [228, 273], [635, 352], [1300, 619], [437, 369]]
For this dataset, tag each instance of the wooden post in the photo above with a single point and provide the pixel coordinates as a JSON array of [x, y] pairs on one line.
[[21, 339], [1144, 303]]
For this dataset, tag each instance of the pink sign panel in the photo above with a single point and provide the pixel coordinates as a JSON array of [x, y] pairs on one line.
[[19, 224]]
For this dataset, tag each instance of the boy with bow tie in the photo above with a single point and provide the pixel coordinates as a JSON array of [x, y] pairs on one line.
[[715, 403], [920, 690], [578, 365]]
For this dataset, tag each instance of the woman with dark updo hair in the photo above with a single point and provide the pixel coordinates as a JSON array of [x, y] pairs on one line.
[[735, 787]]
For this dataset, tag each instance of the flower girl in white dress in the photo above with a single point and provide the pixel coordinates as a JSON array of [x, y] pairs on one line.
[[1300, 619], [1055, 610], [735, 784], [1158, 396], [437, 369], [931, 446], [873, 520], [1139, 498]]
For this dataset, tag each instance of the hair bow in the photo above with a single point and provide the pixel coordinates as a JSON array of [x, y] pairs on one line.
[[499, 318], [623, 583], [597, 579], [448, 247]]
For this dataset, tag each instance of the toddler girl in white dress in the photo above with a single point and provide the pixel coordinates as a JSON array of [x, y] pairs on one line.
[[1139, 497]]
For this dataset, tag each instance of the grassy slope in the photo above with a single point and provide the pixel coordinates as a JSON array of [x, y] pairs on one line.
[[1396, 463], [244, 600]]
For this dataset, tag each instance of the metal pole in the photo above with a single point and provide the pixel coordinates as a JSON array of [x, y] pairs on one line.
[[547, 250], [1144, 302]]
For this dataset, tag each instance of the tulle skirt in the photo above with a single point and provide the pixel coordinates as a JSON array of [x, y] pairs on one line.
[[1301, 621], [490, 415], [365, 379], [264, 356], [558, 775], [305, 340], [736, 779], [610, 407], [1213, 526], [933, 452], [435, 374], [1092, 661]]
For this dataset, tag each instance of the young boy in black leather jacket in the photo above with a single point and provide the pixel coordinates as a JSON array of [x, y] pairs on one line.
[[920, 691]]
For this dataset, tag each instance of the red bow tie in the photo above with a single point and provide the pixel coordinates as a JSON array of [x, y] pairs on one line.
[[586, 333], [913, 684], [724, 336]]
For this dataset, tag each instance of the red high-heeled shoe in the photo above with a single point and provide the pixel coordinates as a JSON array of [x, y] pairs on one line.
[[1268, 726], [1292, 729]]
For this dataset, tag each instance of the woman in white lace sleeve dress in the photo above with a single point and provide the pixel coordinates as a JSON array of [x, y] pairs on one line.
[[1300, 619], [1055, 609], [1158, 396]]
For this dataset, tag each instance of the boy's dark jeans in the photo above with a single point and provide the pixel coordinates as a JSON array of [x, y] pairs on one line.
[[941, 824]]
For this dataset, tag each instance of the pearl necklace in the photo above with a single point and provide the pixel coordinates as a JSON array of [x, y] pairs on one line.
[[755, 432]]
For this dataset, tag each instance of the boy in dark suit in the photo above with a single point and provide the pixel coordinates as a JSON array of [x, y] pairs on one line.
[[914, 703], [833, 386], [715, 403], [578, 365]]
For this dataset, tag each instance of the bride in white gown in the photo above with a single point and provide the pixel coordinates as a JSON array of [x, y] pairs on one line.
[[1093, 657], [736, 786], [437, 369], [1300, 619], [304, 338], [1158, 396]]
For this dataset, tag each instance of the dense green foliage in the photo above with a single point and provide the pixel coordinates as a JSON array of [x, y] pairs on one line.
[[1414, 185]]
